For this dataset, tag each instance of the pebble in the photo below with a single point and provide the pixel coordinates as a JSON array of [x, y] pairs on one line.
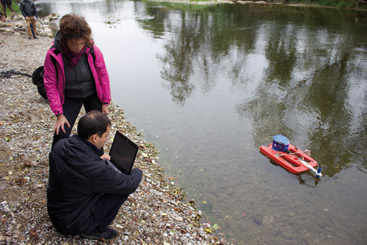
[[25, 217], [178, 218]]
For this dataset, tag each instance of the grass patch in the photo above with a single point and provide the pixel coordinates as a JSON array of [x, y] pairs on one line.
[[15, 7], [331, 3]]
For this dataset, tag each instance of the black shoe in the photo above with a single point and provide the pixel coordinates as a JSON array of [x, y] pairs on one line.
[[35, 37], [106, 235]]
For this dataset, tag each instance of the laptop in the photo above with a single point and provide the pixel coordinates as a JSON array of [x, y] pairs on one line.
[[123, 153]]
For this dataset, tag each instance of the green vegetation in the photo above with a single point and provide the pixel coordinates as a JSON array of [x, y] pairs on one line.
[[331, 3], [15, 7], [361, 4], [336, 3]]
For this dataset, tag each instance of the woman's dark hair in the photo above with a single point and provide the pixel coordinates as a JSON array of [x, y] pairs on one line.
[[74, 27], [94, 122]]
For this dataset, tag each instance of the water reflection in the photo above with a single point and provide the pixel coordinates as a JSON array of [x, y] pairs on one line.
[[200, 43], [181, 52], [299, 73], [304, 91], [319, 101]]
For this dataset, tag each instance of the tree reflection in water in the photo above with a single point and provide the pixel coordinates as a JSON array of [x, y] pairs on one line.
[[307, 82]]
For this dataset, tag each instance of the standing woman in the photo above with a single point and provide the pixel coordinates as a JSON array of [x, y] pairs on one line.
[[75, 75]]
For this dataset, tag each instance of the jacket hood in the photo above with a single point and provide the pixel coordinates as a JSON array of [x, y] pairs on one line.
[[57, 42], [74, 150]]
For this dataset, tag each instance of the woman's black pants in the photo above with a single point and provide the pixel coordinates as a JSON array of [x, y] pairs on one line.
[[71, 108]]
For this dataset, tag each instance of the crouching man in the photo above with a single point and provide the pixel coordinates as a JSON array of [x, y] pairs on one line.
[[84, 193]]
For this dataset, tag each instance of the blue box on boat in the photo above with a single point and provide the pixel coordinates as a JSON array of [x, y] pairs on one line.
[[280, 143]]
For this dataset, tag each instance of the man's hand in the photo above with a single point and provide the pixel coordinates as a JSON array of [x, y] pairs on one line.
[[105, 157], [60, 122]]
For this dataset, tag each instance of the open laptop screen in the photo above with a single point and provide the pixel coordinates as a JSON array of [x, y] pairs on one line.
[[123, 152]]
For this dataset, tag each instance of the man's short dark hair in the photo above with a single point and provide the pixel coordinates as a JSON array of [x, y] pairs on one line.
[[94, 122]]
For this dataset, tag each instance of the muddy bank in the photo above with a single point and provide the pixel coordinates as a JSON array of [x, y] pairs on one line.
[[155, 214]]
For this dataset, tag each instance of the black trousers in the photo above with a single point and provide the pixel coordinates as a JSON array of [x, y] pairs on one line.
[[104, 212], [99, 217], [72, 108]]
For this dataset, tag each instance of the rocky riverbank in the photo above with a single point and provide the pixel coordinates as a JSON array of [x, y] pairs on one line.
[[45, 26], [155, 214]]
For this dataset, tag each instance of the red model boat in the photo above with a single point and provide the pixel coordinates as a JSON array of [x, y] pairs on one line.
[[289, 157]]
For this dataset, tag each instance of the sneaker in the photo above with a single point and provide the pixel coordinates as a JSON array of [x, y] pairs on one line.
[[35, 37], [106, 235]]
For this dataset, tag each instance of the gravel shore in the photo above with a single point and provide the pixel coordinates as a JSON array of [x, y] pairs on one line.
[[155, 214]]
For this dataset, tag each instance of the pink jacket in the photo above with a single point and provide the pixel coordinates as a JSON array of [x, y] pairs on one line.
[[54, 79]]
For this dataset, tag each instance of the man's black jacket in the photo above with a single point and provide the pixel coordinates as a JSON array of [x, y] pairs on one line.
[[77, 179], [27, 8]]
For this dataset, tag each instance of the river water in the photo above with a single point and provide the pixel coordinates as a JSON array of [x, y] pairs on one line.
[[211, 84]]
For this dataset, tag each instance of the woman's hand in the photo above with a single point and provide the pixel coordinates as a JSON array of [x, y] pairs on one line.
[[60, 122], [105, 157], [105, 109]]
